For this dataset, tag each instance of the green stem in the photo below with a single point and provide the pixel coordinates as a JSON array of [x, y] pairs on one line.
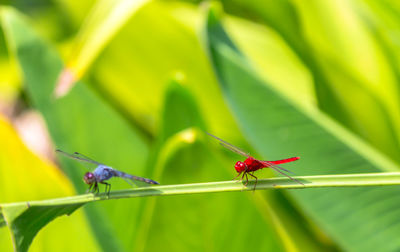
[[350, 180]]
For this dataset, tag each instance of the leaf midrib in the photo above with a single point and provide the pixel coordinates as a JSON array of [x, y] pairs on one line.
[[341, 180]]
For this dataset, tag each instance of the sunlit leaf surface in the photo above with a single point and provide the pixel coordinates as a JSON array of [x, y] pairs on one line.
[[269, 79], [25, 177], [80, 121], [274, 126], [106, 19]]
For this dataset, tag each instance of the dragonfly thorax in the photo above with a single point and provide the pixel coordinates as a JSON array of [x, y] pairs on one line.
[[240, 166], [89, 178]]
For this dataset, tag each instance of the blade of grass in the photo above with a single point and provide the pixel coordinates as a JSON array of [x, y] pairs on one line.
[[339, 180], [25, 219]]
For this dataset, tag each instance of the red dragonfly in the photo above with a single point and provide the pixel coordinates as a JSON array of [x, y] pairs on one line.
[[250, 165]]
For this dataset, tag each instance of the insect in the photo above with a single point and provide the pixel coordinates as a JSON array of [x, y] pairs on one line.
[[250, 165], [102, 173]]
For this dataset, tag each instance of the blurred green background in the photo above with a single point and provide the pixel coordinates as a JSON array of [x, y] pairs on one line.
[[145, 79]]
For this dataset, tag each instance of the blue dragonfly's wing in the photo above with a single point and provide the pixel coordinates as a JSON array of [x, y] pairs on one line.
[[79, 157], [129, 182], [89, 163], [132, 178]]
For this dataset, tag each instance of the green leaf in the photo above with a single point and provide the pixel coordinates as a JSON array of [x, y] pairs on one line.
[[135, 57], [26, 177], [350, 86], [80, 121], [184, 156], [9, 79], [26, 221], [362, 79], [105, 20], [275, 126], [179, 115], [180, 110]]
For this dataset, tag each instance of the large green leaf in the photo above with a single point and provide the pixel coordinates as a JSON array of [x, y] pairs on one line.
[[138, 63], [25, 221], [25, 177], [181, 156], [80, 121], [351, 85], [361, 76], [106, 18], [277, 47], [275, 127]]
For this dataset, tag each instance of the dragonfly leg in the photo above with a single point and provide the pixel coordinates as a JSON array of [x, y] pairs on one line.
[[251, 174], [247, 179], [89, 189], [237, 176], [108, 186], [243, 175], [95, 188]]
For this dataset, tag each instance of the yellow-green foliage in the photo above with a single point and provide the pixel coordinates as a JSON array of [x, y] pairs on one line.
[[315, 79]]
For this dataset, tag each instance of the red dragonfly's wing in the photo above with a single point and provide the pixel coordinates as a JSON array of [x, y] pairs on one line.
[[79, 157], [276, 163], [229, 146], [279, 169]]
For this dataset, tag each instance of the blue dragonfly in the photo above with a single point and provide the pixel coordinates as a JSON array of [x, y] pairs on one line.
[[103, 173]]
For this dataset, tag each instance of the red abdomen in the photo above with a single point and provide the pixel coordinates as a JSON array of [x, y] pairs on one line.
[[282, 161]]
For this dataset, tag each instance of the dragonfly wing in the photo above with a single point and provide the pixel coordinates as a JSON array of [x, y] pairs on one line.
[[286, 175], [146, 180], [230, 146], [280, 170], [126, 176], [128, 181], [240, 152], [86, 158], [270, 164], [78, 156]]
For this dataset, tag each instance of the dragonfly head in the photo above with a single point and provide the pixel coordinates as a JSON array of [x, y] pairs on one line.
[[89, 178], [240, 166]]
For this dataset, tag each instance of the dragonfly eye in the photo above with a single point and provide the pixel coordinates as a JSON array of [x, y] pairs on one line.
[[240, 166], [89, 178]]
